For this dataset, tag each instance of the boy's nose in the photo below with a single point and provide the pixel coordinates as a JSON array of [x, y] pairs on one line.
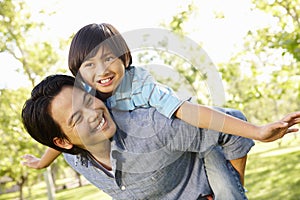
[[101, 68]]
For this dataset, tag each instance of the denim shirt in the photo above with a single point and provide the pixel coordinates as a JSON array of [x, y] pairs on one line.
[[154, 157]]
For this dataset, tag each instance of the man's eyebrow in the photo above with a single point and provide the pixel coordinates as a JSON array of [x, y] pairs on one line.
[[75, 113]]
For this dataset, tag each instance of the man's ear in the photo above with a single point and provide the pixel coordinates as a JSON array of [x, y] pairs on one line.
[[62, 143]]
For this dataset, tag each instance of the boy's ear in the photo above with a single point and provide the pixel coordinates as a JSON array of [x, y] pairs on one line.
[[62, 143]]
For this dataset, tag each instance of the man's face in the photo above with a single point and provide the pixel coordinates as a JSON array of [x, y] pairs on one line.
[[82, 117]]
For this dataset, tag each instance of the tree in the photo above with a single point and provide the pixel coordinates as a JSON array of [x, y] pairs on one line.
[[286, 34], [183, 75], [263, 79], [37, 58], [14, 143], [269, 65], [265, 74], [17, 28]]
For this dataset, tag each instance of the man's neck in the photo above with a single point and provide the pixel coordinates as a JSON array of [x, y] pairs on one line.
[[102, 154]]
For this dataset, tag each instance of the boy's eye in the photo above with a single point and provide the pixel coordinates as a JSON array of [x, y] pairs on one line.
[[89, 64], [109, 58]]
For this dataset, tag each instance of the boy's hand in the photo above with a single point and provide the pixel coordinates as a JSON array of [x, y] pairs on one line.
[[276, 130], [31, 161]]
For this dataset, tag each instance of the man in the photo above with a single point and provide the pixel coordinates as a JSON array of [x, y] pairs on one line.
[[149, 157]]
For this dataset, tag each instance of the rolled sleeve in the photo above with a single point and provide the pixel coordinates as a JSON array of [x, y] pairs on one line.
[[162, 98]]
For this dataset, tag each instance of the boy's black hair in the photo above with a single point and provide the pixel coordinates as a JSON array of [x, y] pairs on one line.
[[87, 41]]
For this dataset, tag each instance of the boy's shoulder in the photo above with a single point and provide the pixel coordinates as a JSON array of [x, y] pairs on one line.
[[137, 70], [139, 74]]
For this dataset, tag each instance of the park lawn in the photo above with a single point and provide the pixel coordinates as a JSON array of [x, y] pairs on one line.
[[272, 172], [39, 192], [86, 192]]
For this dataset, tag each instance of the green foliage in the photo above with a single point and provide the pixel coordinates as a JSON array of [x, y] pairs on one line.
[[37, 59], [17, 30], [14, 142], [191, 78], [263, 80], [287, 33], [178, 20]]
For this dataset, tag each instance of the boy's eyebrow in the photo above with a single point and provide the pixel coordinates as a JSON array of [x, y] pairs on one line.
[[104, 53], [75, 113], [87, 58]]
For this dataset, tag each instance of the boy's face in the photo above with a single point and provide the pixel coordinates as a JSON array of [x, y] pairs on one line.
[[104, 72], [83, 118]]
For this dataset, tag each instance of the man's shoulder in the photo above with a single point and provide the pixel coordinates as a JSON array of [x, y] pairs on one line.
[[140, 121]]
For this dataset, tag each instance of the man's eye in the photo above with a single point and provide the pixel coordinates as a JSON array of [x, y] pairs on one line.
[[77, 120]]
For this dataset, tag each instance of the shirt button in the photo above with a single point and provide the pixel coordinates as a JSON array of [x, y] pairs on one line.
[[123, 188]]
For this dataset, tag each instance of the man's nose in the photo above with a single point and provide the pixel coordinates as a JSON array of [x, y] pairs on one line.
[[92, 115]]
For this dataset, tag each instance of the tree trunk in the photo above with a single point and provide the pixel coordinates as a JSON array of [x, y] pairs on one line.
[[79, 179], [50, 185], [21, 184]]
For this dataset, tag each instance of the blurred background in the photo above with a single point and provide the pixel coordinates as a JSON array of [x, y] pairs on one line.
[[255, 46]]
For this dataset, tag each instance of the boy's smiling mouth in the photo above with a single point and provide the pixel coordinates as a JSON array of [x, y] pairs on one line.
[[106, 81]]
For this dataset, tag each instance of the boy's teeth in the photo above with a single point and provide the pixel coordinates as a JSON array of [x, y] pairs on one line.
[[104, 80]]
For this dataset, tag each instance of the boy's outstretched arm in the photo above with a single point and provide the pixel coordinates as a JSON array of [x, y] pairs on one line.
[[209, 118], [39, 163]]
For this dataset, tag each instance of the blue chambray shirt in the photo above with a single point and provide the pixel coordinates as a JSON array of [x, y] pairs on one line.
[[154, 157], [138, 89]]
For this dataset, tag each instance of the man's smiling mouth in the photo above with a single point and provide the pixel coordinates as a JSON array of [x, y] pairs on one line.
[[101, 124]]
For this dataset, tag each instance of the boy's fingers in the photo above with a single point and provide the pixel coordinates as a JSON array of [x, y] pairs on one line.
[[292, 116], [27, 156], [292, 130], [24, 163]]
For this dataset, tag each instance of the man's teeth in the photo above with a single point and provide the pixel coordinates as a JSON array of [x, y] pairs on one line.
[[101, 124]]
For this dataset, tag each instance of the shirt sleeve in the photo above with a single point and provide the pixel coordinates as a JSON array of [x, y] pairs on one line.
[[153, 94], [139, 89]]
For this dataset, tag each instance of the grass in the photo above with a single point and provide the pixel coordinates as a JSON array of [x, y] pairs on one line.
[[272, 173], [88, 192], [39, 192]]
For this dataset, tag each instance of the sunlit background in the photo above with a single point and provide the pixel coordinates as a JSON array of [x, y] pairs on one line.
[[220, 37], [255, 45]]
